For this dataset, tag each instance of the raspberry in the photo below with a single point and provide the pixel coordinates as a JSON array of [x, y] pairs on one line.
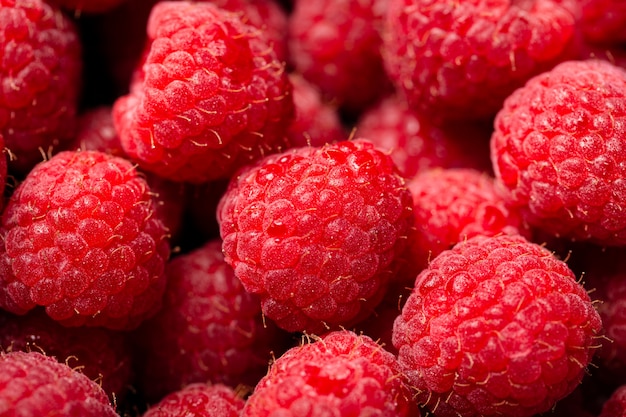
[[450, 206], [558, 148], [199, 400], [461, 59], [209, 328], [316, 232], [603, 21], [101, 354], [495, 326], [335, 44], [82, 239], [41, 63], [416, 144], [341, 374], [87, 6], [36, 385], [316, 122], [615, 406], [210, 95]]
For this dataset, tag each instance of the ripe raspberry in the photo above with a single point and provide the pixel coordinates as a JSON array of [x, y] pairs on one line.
[[341, 374], [615, 406], [450, 206], [210, 95], [461, 59], [495, 326], [97, 132], [101, 354], [199, 400], [87, 6], [209, 328], [316, 232], [36, 385], [603, 21], [82, 239], [316, 122], [558, 150], [41, 63], [335, 44], [416, 144]]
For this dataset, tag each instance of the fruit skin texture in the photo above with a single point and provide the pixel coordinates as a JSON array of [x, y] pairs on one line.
[[341, 374], [495, 326], [34, 384], [558, 152], [461, 59], [199, 400], [209, 328], [82, 239], [101, 354], [41, 63], [450, 206], [208, 97], [335, 45], [315, 232]]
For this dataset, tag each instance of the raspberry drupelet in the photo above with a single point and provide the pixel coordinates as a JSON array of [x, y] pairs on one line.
[[460, 59], [32, 384], [41, 63], [342, 374], [209, 328], [82, 238], [558, 152], [199, 400], [495, 326], [317, 232], [209, 95]]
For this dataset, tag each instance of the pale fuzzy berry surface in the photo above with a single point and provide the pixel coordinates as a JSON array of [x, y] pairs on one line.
[[496, 326], [342, 374], [558, 151], [209, 95], [335, 44], [37, 385], [199, 400], [39, 77], [450, 206], [83, 240], [102, 355], [460, 60], [316, 232], [209, 329]]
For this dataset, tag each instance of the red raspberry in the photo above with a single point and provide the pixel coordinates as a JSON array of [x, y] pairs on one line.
[[101, 354], [199, 400], [41, 63], [83, 240], [558, 149], [416, 144], [316, 232], [317, 122], [36, 385], [97, 132], [450, 206], [603, 21], [342, 374], [615, 406], [209, 328], [460, 59], [335, 44], [210, 95], [495, 326], [87, 6]]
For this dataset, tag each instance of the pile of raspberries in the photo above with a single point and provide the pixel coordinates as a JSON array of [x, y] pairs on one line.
[[313, 208]]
